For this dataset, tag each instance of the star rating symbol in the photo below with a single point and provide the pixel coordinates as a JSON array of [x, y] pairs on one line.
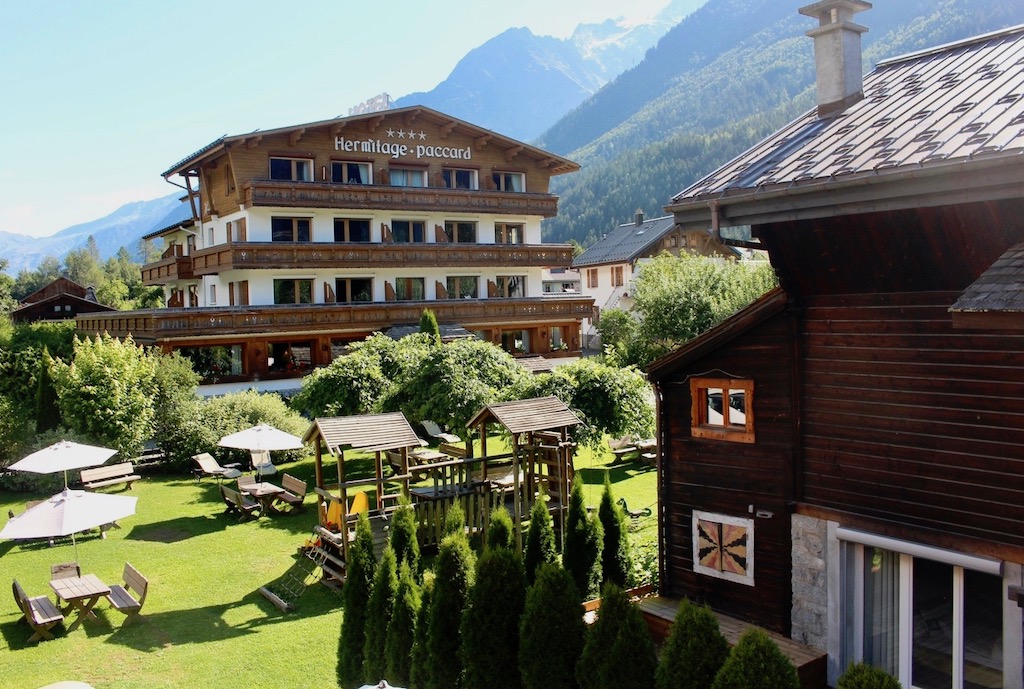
[[391, 133], [422, 136], [401, 133]]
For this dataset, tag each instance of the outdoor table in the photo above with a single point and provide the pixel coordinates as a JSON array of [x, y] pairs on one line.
[[428, 456], [264, 493], [80, 593]]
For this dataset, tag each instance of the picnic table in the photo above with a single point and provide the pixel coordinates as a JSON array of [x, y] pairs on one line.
[[81, 594], [266, 494]]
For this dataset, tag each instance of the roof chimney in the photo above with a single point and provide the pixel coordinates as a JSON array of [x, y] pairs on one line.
[[639, 217], [837, 56]]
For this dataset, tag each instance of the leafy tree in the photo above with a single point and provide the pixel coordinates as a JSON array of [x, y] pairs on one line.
[[429, 326], [694, 651], [7, 301], [500, 532], [47, 411], [551, 631], [379, 611], [581, 553], [29, 281], [864, 676], [240, 410], [351, 384], [83, 265], [616, 562], [179, 423], [403, 537], [402, 628], [755, 662], [490, 624], [540, 548], [453, 571], [419, 673], [618, 653], [359, 573], [57, 337], [106, 392], [617, 328], [15, 431]]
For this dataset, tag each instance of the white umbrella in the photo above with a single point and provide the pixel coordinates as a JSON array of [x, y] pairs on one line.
[[67, 513], [260, 441], [63, 456]]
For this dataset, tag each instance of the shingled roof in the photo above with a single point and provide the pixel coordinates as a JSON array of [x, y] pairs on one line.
[[524, 416], [996, 298], [366, 432], [627, 242]]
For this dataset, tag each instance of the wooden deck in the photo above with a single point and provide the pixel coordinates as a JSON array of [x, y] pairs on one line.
[[811, 664]]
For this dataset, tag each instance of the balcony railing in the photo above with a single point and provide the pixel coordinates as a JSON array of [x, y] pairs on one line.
[[250, 255], [167, 270], [159, 325], [384, 197]]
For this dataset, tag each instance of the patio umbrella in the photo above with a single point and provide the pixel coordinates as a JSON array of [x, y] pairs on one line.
[[63, 456], [67, 513], [261, 440]]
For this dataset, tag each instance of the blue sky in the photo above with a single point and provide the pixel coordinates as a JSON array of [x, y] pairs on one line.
[[103, 96]]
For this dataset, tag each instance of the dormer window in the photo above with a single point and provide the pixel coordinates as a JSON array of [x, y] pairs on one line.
[[350, 173], [458, 178], [509, 181], [291, 169]]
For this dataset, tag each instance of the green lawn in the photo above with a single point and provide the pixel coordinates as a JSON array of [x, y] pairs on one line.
[[205, 622]]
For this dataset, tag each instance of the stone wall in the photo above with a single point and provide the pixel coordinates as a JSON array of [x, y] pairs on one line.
[[810, 581]]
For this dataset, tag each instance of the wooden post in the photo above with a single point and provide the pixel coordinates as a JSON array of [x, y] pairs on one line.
[[517, 488], [344, 504], [380, 481]]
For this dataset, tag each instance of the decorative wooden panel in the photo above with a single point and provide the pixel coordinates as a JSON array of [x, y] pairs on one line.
[[723, 546]]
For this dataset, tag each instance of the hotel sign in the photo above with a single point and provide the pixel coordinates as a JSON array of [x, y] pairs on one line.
[[400, 149]]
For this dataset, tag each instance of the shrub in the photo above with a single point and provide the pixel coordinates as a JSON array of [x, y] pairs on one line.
[[428, 326], [499, 531], [179, 427], [615, 556], [755, 662], [401, 635], [454, 520], [540, 546], [618, 653], [359, 572], [551, 631], [864, 676], [694, 651], [47, 410], [403, 538], [453, 570], [241, 410], [351, 384], [378, 616], [490, 624], [581, 553]]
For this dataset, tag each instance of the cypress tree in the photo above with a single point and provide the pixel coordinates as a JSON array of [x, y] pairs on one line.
[[359, 571], [453, 572], [581, 553], [615, 556], [618, 653], [403, 537], [694, 651], [419, 673], [401, 635], [378, 616], [490, 624], [551, 631], [428, 325], [454, 521], [755, 662], [499, 531], [540, 541]]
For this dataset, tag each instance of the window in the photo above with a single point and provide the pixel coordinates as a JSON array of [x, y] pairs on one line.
[[403, 177], [616, 276], [212, 362], [508, 233], [348, 290], [509, 181], [229, 180], [930, 620], [213, 295], [293, 169], [351, 230], [511, 286], [556, 341], [404, 231], [592, 278], [236, 230], [293, 291], [409, 289], [209, 236], [290, 229], [290, 356], [57, 307], [456, 178], [723, 546], [516, 341], [722, 409], [350, 173], [460, 232], [463, 287]]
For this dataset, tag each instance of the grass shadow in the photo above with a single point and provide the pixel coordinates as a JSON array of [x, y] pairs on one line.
[[594, 476], [178, 529]]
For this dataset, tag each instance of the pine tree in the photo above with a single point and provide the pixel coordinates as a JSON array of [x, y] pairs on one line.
[[551, 631], [618, 653], [454, 521], [499, 531], [378, 616], [581, 553], [419, 673], [403, 538], [694, 651], [453, 571], [540, 541], [428, 325], [359, 571], [755, 662], [401, 635], [615, 556], [490, 624]]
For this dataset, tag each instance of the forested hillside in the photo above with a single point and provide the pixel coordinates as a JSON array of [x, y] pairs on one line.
[[745, 69]]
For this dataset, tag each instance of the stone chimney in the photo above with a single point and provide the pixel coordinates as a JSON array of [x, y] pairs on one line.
[[837, 55], [639, 217]]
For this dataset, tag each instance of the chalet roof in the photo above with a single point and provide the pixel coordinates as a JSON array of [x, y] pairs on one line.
[[366, 432], [999, 290], [524, 416], [178, 218], [448, 331], [536, 364], [557, 164], [927, 120], [56, 287], [627, 242], [768, 305]]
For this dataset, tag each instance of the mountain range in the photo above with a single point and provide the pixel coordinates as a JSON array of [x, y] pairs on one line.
[[645, 116]]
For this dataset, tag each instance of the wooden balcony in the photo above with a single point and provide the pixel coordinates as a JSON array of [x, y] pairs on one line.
[[167, 325], [249, 255], [167, 270], [383, 197]]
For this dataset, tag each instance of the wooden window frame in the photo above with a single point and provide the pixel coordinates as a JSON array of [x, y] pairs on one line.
[[408, 170], [617, 279], [592, 278], [451, 231], [346, 228], [412, 232], [506, 231], [367, 164], [294, 177], [448, 174], [700, 427], [453, 283], [295, 228], [498, 177], [347, 297], [297, 291], [504, 284]]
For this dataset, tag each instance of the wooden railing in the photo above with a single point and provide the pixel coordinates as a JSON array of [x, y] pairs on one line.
[[152, 325], [384, 197], [167, 270], [249, 255]]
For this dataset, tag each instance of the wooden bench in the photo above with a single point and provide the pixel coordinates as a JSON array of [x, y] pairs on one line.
[[40, 613], [622, 447], [294, 492], [109, 476], [453, 450], [240, 504], [122, 598]]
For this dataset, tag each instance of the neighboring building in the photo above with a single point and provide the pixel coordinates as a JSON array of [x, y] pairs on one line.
[[306, 238], [561, 281], [608, 267], [57, 301], [841, 462]]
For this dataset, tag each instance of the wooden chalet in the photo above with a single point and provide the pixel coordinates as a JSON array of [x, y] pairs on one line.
[[841, 462], [60, 300], [306, 238]]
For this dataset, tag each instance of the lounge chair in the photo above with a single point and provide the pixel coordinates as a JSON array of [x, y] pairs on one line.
[[208, 466], [434, 430]]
